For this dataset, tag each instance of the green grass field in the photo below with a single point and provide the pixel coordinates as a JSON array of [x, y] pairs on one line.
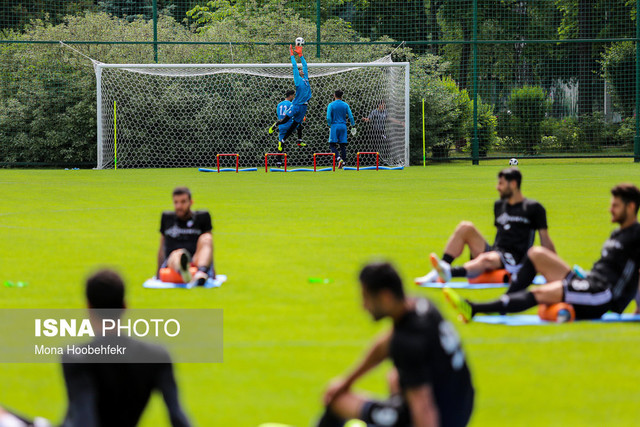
[[285, 338]]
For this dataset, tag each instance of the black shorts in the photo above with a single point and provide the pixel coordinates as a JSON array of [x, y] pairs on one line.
[[392, 412], [589, 297], [510, 262]]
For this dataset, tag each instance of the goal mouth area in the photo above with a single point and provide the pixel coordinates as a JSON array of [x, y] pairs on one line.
[[183, 115]]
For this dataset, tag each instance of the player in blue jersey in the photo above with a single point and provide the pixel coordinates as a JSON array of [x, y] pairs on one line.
[[337, 113], [298, 108]]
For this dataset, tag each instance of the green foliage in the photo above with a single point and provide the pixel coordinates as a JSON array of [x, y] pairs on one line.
[[626, 132], [619, 67], [448, 110], [53, 118], [527, 108], [487, 124]]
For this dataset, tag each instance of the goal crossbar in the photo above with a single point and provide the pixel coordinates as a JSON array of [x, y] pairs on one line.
[[105, 106]]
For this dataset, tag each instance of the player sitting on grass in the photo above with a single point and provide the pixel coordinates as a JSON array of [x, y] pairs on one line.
[[337, 114], [433, 385], [611, 284], [298, 108], [186, 239], [516, 218]]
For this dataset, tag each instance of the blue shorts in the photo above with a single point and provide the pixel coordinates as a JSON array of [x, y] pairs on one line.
[[297, 112], [282, 129], [338, 133]]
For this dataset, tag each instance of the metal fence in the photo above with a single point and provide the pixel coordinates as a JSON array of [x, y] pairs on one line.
[[489, 78]]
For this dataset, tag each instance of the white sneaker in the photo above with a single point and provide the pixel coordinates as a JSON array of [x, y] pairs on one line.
[[430, 277], [443, 268]]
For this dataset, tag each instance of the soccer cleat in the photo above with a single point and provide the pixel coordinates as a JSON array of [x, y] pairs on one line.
[[200, 278], [340, 163], [301, 144], [273, 128], [280, 145], [185, 263], [443, 268], [430, 277], [461, 305]]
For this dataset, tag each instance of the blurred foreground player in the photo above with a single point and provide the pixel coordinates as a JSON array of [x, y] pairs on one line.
[[610, 285], [115, 394], [186, 240], [433, 385]]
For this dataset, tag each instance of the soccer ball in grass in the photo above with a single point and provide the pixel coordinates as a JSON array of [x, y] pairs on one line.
[[513, 162], [299, 41]]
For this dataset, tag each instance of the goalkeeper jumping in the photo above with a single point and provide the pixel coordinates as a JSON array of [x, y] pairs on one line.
[[298, 108]]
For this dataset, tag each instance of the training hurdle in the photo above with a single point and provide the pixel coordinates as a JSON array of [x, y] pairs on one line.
[[266, 160], [333, 155], [367, 152], [237, 156]]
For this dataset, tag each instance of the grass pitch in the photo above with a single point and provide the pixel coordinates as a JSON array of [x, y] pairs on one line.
[[284, 337]]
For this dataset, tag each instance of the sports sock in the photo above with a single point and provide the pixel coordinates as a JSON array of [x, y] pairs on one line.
[[447, 258], [343, 152], [334, 149], [291, 129], [524, 277], [508, 303], [458, 272]]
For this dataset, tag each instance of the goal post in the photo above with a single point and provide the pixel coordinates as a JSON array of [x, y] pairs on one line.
[[183, 115]]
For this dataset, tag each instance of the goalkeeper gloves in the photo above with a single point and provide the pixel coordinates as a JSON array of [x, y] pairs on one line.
[[353, 131], [291, 49], [299, 50]]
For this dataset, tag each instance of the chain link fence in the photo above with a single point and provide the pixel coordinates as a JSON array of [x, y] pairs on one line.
[[495, 78]]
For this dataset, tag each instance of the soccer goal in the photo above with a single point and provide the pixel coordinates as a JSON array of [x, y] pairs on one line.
[[183, 115]]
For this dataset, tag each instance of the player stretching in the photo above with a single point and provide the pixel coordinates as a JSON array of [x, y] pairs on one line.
[[517, 219], [186, 237], [431, 383], [611, 284], [298, 108], [337, 113]]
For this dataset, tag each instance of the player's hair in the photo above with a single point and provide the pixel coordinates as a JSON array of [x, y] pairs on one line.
[[182, 190], [378, 276], [289, 93], [339, 94], [511, 174], [105, 289], [628, 192]]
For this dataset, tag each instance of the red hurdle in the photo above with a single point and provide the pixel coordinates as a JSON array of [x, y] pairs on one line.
[[367, 152], [266, 160], [228, 155], [324, 154]]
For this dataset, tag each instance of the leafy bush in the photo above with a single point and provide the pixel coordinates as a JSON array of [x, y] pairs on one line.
[[448, 110], [619, 68], [626, 132], [528, 106]]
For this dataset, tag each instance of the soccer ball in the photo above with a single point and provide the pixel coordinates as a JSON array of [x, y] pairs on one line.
[[299, 41], [513, 162]]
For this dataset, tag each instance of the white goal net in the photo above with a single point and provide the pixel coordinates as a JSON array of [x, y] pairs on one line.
[[183, 115]]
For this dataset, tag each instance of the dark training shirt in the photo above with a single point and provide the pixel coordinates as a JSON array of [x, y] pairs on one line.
[[517, 225], [180, 234], [115, 394], [426, 350], [618, 265]]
